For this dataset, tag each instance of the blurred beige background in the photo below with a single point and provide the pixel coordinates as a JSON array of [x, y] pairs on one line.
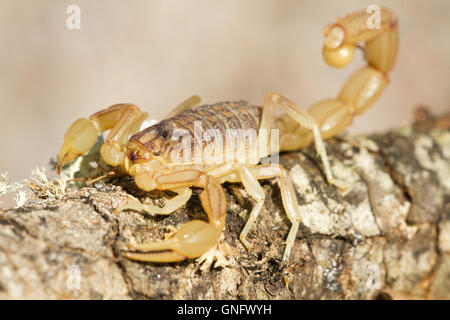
[[156, 53]]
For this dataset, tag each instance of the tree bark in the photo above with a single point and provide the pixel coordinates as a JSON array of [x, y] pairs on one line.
[[387, 236]]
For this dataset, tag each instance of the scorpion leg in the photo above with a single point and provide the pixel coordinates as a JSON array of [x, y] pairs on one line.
[[288, 197], [304, 119], [123, 120], [185, 105], [195, 237], [171, 205], [255, 190], [249, 177]]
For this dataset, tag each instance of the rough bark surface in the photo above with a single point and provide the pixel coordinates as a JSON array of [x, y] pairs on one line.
[[387, 236]]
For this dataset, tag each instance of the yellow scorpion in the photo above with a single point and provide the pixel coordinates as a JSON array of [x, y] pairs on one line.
[[148, 155]]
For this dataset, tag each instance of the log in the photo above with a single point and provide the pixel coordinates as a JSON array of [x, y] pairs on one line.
[[387, 236]]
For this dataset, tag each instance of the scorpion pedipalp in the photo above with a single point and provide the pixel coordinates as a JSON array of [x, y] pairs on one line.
[[122, 119], [191, 241], [79, 138], [195, 237]]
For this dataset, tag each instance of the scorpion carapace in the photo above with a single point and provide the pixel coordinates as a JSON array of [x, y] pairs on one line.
[[148, 155]]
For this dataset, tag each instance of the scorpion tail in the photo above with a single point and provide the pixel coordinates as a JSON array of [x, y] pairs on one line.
[[377, 36]]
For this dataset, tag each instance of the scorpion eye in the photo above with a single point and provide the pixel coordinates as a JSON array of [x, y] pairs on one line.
[[164, 134]]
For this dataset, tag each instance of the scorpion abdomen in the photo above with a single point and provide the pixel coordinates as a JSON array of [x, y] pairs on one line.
[[221, 116]]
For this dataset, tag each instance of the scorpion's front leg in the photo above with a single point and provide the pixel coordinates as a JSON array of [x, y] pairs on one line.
[[171, 205], [123, 120], [195, 237]]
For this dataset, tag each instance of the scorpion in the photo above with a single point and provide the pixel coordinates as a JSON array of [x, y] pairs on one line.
[[146, 155]]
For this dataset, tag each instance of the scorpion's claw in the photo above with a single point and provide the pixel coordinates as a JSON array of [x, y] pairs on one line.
[[79, 138], [191, 241]]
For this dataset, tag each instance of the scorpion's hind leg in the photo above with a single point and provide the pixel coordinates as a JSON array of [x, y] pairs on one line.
[[123, 120], [305, 120], [249, 177], [195, 237]]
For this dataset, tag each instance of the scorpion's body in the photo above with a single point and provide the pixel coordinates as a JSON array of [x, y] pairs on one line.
[[223, 117], [148, 156]]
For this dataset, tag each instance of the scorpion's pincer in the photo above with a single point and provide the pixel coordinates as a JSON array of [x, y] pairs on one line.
[[191, 241]]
